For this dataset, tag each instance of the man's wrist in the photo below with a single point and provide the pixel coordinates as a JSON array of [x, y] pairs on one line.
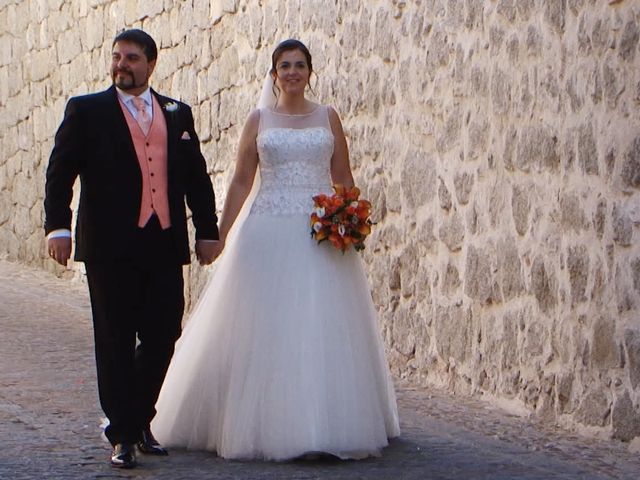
[[59, 233]]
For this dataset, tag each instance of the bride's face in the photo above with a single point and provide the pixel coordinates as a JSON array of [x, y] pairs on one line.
[[292, 72]]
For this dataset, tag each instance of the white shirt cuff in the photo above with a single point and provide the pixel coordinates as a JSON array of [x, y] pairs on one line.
[[59, 233]]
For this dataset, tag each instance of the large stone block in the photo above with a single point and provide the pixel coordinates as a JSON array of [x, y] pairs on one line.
[[576, 100], [622, 226], [404, 331], [625, 418], [604, 351], [444, 196], [555, 14], [525, 9], [383, 42], [409, 260], [500, 91], [543, 285], [451, 232], [572, 214], [564, 389], [93, 30], [537, 149], [478, 279], [450, 280], [578, 269], [534, 41], [439, 50], [588, 151], [629, 41], [630, 171], [478, 138], [448, 135], [536, 337], [595, 409], [68, 46], [39, 64], [612, 85], [510, 143], [510, 269], [508, 345], [600, 218], [635, 274], [496, 40], [452, 333], [513, 49], [418, 178], [520, 208], [507, 9], [474, 14], [6, 203], [632, 348], [479, 81], [463, 183]]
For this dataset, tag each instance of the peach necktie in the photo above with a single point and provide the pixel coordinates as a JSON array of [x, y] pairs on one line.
[[143, 118]]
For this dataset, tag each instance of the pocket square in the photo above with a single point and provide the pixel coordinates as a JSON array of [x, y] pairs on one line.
[[185, 136]]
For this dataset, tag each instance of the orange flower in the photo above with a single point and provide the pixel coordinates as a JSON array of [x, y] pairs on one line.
[[352, 194], [341, 218], [364, 229], [321, 235]]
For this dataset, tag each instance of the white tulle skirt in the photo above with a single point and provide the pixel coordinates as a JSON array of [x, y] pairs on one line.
[[282, 355]]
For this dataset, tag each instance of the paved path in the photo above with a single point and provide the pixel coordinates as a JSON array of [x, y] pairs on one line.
[[49, 416]]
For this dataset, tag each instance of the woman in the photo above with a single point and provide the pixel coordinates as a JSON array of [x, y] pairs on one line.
[[282, 357]]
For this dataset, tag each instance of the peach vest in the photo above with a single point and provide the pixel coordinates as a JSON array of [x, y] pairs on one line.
[[152, 157]]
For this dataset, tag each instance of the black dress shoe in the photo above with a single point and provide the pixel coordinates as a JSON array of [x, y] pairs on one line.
[[149, 445], [123, 456]]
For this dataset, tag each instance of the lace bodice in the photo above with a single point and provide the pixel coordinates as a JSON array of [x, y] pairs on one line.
[[295, 157]]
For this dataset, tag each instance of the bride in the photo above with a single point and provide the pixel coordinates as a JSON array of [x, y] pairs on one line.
[[282, 357]]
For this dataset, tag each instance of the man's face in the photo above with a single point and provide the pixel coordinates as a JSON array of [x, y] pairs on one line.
[[130, 69]]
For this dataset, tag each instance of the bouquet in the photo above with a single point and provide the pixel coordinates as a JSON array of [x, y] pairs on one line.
[[341, 218]]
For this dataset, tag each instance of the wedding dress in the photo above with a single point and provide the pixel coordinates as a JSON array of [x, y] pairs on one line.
[[282, 355]]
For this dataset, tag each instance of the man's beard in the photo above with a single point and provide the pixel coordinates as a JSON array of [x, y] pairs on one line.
[[125, 81]]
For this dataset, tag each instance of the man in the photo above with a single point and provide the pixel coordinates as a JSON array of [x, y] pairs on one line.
[[138, 158]]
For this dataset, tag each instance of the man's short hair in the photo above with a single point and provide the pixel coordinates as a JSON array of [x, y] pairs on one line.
[[140, 38]]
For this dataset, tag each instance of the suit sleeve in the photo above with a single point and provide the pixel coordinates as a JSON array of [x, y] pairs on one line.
[[200, 196], [62, 170]]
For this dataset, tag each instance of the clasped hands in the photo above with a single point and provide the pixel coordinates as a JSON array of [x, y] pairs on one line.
[[208, 250]]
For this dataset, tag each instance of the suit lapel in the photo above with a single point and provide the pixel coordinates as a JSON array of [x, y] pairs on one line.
[[116, 122], [172, 130]]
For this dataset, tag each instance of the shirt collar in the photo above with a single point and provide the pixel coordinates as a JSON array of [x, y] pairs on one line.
[[126, 97]]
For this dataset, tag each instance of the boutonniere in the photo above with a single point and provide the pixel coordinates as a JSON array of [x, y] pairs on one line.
[[171, 106]]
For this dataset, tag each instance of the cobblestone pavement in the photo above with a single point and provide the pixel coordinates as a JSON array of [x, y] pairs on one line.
[[49, 416]]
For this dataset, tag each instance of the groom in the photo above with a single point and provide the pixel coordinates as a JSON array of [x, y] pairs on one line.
[[138, 158]]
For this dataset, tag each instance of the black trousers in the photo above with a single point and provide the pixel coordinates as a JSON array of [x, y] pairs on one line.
[[135, 298]]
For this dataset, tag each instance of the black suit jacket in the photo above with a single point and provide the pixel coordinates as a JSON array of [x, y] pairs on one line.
[[94, 142]]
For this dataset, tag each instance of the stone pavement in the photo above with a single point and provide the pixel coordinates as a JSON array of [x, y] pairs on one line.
[[49, 416]]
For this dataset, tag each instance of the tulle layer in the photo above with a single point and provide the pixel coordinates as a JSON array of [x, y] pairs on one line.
[[282, 355]]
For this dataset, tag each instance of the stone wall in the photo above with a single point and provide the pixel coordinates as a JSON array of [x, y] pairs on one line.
[[498, 139]]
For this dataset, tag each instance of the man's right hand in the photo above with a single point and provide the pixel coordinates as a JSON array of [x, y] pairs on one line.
[[59, 249]]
